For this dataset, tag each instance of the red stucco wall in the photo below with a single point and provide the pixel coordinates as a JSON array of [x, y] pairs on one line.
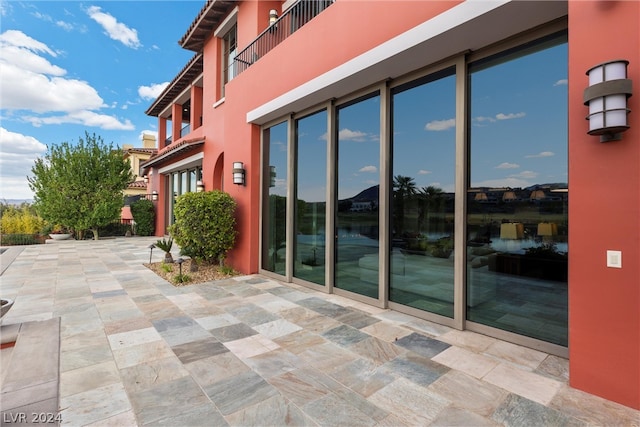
[[604, 214]]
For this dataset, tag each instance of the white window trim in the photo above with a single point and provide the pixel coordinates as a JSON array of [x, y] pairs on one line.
[[226, 25]]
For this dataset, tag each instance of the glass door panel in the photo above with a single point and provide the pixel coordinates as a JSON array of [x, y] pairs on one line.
[[274, 225], [357, 224], [311, 198], [422, 206], [517, 221]]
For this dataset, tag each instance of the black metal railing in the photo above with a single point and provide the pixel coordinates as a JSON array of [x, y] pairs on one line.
[[290, 22]]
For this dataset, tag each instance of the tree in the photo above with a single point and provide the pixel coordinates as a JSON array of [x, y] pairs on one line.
[[80, 186], [404, 188], [205, 225]]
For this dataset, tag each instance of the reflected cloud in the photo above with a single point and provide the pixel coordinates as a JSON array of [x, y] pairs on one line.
[[507, 165], [424, 172], [440, 125], [541, 154], [369, 169]]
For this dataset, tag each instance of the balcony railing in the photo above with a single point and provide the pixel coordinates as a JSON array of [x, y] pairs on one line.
[[290, 22]]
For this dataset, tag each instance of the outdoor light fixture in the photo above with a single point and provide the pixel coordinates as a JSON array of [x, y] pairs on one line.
[[179, 261], [145, 179], [606, 97], [175, 195], [199, 186], [151, 248], [273, 16], [238, 173], [154, 195], [272, 176]]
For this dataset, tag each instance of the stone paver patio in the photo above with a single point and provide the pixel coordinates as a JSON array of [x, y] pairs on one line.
[[135, 350]]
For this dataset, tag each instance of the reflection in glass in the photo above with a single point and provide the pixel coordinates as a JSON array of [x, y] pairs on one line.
[[424, 148], [357, 231], [192, 180], [311, 190], [517, 199], [275, 199]]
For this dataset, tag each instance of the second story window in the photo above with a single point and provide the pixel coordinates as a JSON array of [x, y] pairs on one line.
[[229, 51]]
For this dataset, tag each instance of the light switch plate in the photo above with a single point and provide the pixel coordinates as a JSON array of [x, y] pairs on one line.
[[614, 259]]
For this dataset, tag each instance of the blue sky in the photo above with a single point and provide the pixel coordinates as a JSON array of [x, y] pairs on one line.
[[67, 67]]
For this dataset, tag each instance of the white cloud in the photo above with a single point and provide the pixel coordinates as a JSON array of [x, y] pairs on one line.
[[369, 169], [151, 92], [424, 172], [64, 25], [438, 125], [499, 116], [30, 82], [352, 135], [85, 117], [114, 29], [502, 116], [541, 154], [507, 165], [561, 82], [17, 155]]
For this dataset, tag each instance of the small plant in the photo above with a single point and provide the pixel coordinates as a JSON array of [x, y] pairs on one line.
[[225, 269], [166, 245], [182, 278], [167, 268]]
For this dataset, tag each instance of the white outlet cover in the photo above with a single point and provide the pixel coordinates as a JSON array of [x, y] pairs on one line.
[[614, 259]]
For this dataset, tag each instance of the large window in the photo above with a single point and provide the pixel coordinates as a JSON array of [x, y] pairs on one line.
[[517, 198], [422, 207], [274, 225], [357, 231], [378, 196], [229, 51], [311, 198]]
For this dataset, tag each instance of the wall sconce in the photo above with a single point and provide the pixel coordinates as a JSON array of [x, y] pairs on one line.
[[145, 179], [154, 195], [175, 196], [238, 173], [272, 176], [199, 186], [607, 96], [273, 16]]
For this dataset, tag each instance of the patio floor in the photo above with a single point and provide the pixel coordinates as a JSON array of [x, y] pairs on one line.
[[132, 349]]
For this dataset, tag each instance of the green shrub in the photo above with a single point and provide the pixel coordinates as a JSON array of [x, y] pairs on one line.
[[145, 217], [205, 224], [20, 220]]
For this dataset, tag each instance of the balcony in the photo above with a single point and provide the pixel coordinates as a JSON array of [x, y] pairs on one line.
[[287, 24]]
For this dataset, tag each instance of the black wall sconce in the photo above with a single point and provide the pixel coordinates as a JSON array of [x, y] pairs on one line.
[[199, 186], [154, 195], [606, 97], [238, 173]]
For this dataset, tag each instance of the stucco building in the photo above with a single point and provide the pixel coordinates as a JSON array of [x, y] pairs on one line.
[[428, 156]]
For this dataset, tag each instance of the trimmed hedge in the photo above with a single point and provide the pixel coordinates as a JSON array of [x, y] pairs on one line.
[[205, 224], [145, 217]]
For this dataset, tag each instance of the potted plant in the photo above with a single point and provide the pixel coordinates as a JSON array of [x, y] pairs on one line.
[[60, 232], [165, 245]]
